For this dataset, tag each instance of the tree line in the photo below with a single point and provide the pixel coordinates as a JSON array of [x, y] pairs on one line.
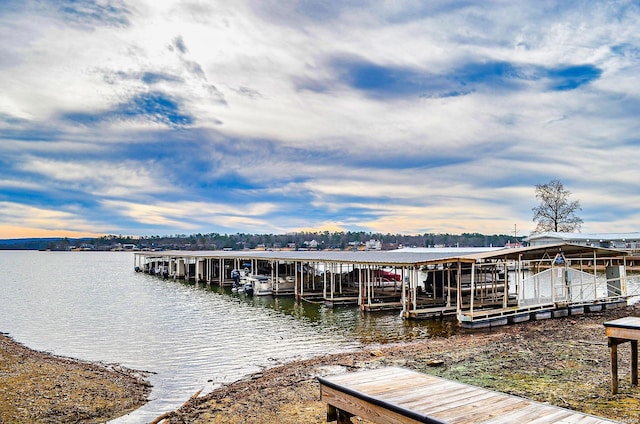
[[239, 241], [311, 240]]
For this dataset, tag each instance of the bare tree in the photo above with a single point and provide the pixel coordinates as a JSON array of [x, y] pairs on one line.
[[555, 211]]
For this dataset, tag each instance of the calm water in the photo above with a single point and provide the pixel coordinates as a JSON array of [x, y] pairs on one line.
[[93, 306]]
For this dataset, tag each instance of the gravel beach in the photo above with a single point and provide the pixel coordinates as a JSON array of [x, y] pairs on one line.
[[37, 387]]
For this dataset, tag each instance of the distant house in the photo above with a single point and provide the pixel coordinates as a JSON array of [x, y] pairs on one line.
[[373, 245], [606, 240], [313, 244], [119, 247]]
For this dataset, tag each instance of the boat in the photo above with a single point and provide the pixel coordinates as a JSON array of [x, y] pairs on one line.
[[285, 284], [239, 277], [261, 284]]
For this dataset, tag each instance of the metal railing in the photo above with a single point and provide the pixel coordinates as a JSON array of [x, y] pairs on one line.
[[572, 286]]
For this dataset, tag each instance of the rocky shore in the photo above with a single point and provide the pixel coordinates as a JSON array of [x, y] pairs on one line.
[[565, 362], [37, 387]]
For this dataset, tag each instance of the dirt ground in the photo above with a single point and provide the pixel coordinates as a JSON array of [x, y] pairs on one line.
[[564, 361], [37, 387]]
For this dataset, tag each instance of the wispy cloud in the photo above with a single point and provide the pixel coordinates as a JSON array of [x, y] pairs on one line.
[[155, 107], [131, 116]]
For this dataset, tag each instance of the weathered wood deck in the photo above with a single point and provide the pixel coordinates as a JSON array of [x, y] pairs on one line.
[[620, 331], [399, 395]]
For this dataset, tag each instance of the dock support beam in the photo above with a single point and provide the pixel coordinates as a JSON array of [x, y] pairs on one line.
[[613, 345]]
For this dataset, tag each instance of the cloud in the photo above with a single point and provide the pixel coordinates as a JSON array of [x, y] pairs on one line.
[[26, 221], [154, 107], [178, 43], [267, 116], [389, 81]]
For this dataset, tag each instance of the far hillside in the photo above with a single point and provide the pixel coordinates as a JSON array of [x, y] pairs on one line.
[[303, 240]]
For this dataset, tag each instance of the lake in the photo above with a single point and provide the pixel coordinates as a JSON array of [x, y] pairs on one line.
[[94, 306]]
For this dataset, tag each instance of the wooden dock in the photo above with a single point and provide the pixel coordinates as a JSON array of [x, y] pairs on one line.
[[620, 331], [399, 395], [474, 286]]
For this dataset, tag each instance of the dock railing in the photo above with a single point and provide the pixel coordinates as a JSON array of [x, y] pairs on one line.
[[560, 285]]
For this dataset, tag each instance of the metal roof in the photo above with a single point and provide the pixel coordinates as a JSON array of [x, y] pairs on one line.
[[570, 251], [402, 257], [585, 236]]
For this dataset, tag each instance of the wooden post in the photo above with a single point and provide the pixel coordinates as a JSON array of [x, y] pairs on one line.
[[338, 415], [614, 366], [332, 279], [343, 417], [473, 287], [324, 277], [332, 413], [634, 362]]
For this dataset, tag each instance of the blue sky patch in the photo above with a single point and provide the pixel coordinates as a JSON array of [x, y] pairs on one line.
[[156, 77], [491, 73], [153, 107], [109, 13], [393, 81], [384, 81], [571, 77]]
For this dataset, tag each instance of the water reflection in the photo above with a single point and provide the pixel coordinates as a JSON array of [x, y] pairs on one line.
[[348, 321], [93, 306]]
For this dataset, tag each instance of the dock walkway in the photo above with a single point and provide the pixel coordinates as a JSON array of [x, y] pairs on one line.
[[399, 395], [473, 284]]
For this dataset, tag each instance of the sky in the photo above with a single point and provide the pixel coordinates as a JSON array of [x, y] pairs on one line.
[[163, 117]]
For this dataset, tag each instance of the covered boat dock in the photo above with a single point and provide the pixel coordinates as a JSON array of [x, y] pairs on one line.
[[480, 286]]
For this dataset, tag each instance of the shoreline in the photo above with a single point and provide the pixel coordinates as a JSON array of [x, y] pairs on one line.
[[561, 361], [41, 387]]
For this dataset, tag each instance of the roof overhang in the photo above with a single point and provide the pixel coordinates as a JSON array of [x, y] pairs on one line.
[[401, 259], [569, 251]]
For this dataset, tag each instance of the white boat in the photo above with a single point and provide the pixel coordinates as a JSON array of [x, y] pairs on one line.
[[261, 284]]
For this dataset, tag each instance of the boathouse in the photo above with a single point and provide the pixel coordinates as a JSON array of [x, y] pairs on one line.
[[479, 286], [623, 241]]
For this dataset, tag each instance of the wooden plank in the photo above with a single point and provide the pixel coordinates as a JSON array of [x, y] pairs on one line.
[[398, 395], [409, 395], [629, 322], [480, 412], [434, 405], [362, 377], [409, 399], [576, 419], [623, 333], [620, 331], [522, 415], [551, 417], [367, 410]]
